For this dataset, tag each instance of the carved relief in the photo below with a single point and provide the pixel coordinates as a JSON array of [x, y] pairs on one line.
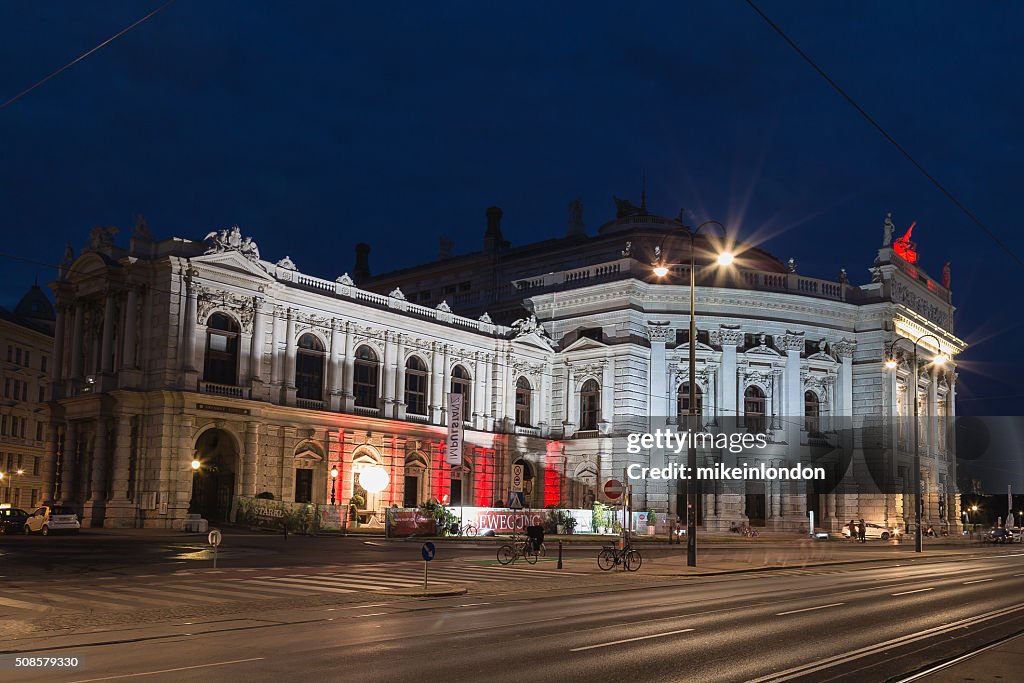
[[658, 331]]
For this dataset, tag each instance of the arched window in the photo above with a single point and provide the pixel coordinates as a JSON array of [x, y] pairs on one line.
[[415, 386], [309, 368], [221, 366], [812, 411], [590, 405], [524, 398], [462, 384], [753, 409], [364, 380], [684, 403]]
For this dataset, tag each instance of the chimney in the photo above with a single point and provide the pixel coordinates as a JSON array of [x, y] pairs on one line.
[[576, 227], [361, 271], [493, 240]]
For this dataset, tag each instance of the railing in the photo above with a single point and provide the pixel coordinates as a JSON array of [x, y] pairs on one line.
[[588, 434], [522, 430], [309, 404], [229, 390], [368, 412], [412, 417]]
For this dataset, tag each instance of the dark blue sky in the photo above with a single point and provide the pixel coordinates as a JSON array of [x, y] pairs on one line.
[[317, 125]]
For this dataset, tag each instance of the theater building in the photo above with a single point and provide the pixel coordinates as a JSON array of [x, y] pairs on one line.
[[180, 349]]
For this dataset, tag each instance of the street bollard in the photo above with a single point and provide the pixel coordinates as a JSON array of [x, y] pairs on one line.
[[559, 554]]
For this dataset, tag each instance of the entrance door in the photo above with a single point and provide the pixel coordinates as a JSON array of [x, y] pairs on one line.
[[455, 497], [755, 503], [303, 485], [410, 498]]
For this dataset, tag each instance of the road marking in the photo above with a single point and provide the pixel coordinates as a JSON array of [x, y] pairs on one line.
[[473, 604], [809, 609], [919, 590], [630, 640], [372, 614], [23, 605], [165, 671], [977, 581], [953, 662]]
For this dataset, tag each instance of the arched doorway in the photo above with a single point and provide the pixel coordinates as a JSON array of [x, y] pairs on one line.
[[213, 484]]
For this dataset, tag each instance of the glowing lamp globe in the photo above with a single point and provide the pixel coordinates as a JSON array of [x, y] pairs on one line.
[[661, 270], [941, 359], [374, 480], [195, 464], [726, 258], [890, 364]]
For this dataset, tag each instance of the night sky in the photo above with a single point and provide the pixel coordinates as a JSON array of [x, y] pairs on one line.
[[317, 125]]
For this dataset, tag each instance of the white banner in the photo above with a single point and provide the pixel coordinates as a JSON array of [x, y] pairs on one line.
[[453, 452]]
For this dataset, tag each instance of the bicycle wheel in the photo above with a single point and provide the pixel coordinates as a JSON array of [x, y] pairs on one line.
[[530, 554], [471, 530], [506, 554], [542, 551], [606, 559], [633, 560]]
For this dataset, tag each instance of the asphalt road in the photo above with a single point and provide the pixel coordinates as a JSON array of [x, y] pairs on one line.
[[848, 623]]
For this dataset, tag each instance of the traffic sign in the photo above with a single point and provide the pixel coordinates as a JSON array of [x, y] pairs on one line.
[[428, 551], [214, 537], [613, 488], [518, 474], [516, 501]]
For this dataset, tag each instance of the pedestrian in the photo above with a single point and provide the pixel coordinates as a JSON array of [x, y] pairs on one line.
[[863, 530], [853, 530]]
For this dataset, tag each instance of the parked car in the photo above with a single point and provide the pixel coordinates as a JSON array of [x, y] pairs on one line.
[[872, 530], [999, 535], [12, 520], [52, 518]]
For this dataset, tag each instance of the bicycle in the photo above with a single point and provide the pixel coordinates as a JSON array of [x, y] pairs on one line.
[[610, 556], [467, 529], [523, 548]]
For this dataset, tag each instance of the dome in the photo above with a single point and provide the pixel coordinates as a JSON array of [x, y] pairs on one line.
[[36, 306]]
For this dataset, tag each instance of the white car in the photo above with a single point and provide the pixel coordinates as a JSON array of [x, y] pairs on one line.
[[52, 518], [872, 530]]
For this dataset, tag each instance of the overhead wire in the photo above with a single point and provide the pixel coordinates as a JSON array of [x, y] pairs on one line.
[[892, 140]]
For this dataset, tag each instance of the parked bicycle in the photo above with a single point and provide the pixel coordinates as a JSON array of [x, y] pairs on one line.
[[519, 547], [466, 529], [612, 556]]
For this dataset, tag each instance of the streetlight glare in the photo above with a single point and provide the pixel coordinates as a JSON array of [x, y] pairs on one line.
[[334, 473], [726, 258], [891, 364], [661, 270], [195, 464], [374, 479], [941, 359]]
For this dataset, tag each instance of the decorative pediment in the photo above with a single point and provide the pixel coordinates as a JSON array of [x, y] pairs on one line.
[[233, 261], [583, 344], [701, 346], [535, 340], [763, 350]]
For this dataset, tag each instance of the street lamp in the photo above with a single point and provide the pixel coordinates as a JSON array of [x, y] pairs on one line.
[[939, 359], [661, 269], [334, 482], [195, 464]]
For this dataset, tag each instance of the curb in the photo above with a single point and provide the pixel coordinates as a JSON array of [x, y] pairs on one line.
[[813, 565], [429, 593]]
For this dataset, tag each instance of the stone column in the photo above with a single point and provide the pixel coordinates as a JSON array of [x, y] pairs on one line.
[[933, 411], [290, 350], [129, 334], [571, 418], [479, 390], [334, 367], [95, 507], [119, 506], [608, 395], [69, 463], [76, 341], [276, 361], [57, 361], [348, 381], [188, 335], [48, 471], [446, 382], [663, 495], [728, 397], [493, 405], [398, 411], [792, 409], [508, 385], [251, 459], [437, 385], [107, 349], [388, 376], [257, 343]]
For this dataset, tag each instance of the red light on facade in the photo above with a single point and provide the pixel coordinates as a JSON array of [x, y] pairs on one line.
[[906, 249]]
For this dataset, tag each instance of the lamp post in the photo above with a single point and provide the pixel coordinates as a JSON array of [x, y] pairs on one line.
[[10, 484], [890, 363], [334, 483], [661, 269]]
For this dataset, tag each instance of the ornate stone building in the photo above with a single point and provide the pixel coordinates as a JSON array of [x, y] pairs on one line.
[[176, 349]]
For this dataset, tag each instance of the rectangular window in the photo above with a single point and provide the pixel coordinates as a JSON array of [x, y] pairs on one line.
[[3, 425], [17, 356], [303, 485], [10, 353], [7, 388], [28, 363], [42, 364], [22, 431], [24, 391], [17, 497], [35, 467], [42, 395], [39, 431], [35, 497]]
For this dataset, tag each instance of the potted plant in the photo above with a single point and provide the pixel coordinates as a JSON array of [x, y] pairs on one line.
[[567, 522], [652, 520], [355, 503]]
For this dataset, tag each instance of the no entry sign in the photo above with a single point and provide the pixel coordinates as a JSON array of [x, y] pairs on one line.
[[613, 488]]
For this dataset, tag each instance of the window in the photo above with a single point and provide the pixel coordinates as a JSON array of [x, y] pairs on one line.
[[24, 391], [595, 333], [364, 383], [462, 384], [35, 467], [39, 431], [42, 394], [17, 356], [812, 411], [42, 364], [3, 425], [684, 402], [590, 405], [524, 396], [221, 350], [416, 386], [309, 368], [27, 363], [303, 485], [7, 388], [753, 409]]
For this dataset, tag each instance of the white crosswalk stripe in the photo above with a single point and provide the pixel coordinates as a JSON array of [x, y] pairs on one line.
[[204, 588]]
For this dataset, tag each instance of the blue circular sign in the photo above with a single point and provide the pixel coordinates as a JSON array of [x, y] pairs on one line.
[[428, 550]]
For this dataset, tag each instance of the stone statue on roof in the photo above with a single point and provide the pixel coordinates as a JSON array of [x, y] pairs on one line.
[[624, 207], [887, 230]]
